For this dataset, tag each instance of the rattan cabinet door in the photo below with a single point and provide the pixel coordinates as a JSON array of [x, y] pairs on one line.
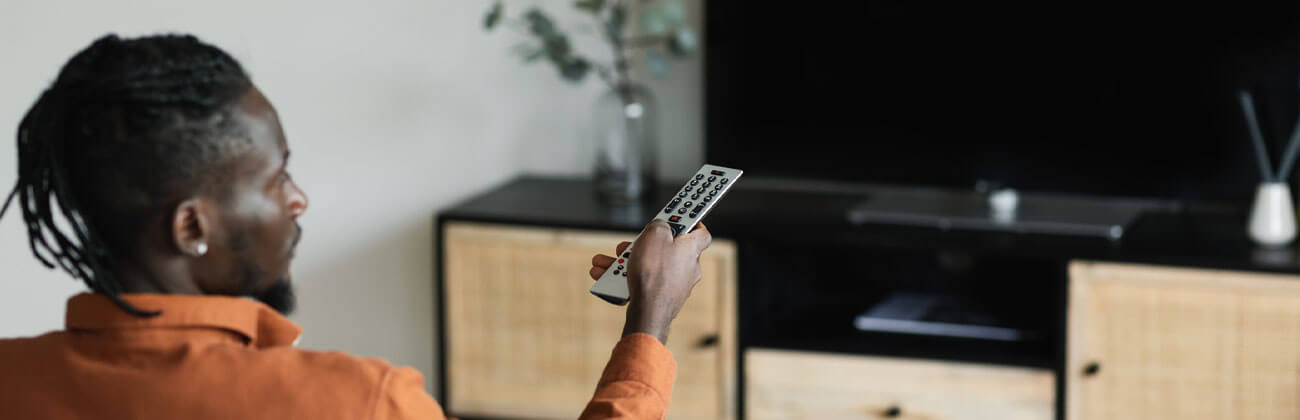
[[1170, 343], [526, 340]]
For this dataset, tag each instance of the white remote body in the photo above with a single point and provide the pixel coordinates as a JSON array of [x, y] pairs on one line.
[[687, 208]]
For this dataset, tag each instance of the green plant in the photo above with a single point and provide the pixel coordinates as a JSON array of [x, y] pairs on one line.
[[664, 34]]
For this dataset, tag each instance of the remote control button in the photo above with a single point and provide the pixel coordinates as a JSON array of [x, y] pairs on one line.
[[694, 182], [624, 274], [713, 193], [668, 210], [627, 254], [682, 194], [677, 228], [708, 198], [713, 178], [674, 218], [681, 210], [695, 215], [675, 201], [620, 268], [717, 172], [695, 196], [707, 184], [688, 204], [616, 272], [724, 180], [620, 260], [701, 190], [699, 176], [718, 187]]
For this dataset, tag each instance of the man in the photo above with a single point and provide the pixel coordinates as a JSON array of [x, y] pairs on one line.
[[168, 171]]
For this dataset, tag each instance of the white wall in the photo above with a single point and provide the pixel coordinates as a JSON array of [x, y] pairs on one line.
[[394, 109]]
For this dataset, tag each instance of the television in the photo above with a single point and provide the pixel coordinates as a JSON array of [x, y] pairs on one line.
[[1083, 98]]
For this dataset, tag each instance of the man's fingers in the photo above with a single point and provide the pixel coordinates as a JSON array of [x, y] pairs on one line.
[[699, 239], [602, 260]]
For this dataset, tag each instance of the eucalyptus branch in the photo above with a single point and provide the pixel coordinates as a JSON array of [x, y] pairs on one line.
[[620, 54], [611, 21], [619, 74], [605, 74]]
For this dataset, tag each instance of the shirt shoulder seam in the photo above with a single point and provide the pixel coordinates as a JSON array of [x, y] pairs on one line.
[[379, 392]]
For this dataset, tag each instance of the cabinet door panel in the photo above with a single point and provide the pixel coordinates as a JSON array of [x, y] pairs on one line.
[[525, 338], [1171, 343], [800, 385]]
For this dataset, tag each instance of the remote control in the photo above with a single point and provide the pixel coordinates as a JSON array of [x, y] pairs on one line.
[[687, 207]]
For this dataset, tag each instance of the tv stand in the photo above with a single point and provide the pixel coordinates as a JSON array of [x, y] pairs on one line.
[[802, 314], [969, 210]]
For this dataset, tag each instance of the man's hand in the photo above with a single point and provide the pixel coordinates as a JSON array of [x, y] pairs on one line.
[[661, 274]]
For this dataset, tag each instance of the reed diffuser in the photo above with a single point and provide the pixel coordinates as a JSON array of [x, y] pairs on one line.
[[1272, 216]]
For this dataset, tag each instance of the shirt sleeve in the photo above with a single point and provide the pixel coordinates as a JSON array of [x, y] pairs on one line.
[[402, 396], [637, 383]]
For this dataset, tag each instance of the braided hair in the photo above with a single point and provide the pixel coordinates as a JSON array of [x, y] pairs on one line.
[[129, 128]]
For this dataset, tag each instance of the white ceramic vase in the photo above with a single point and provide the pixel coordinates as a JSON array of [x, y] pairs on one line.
[[1272, 217]]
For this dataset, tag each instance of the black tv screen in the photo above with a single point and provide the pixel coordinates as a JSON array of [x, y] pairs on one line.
[[1077, 97]]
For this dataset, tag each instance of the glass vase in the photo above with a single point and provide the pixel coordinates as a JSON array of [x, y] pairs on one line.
[[625, 163]]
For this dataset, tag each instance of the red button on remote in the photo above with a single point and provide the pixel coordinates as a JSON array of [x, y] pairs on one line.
[[620, 260]]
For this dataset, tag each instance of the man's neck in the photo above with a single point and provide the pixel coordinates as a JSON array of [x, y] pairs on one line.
[[165, 277]]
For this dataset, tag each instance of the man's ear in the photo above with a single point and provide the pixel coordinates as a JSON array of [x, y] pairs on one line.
[[190, 228]]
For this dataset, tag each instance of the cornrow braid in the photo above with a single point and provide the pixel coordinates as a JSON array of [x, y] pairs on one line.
[[128, 127]]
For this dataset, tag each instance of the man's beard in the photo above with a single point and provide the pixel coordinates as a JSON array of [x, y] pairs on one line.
[[279, 296]]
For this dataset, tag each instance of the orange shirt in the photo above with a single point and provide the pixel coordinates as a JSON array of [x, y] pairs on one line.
[[216, 357]]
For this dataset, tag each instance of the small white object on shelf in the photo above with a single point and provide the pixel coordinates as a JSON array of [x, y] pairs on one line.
[[1003, 203], [1272, 217]]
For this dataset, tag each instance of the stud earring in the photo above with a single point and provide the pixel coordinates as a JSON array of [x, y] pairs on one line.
[[201, 248]]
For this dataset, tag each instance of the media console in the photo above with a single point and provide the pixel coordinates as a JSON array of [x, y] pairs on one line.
[[1043, 325]]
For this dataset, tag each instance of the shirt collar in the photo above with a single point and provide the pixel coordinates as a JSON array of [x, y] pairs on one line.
[[260, 325]]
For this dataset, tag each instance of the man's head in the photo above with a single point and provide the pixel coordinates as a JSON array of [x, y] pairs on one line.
[[167, 168]]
